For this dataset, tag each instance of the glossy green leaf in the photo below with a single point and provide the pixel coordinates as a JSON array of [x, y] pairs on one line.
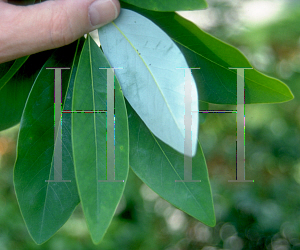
[[215, 81], [99, 199], [15, 92], [46, 206], [153, 76], [12, 71], [169, 5], [158, 165]]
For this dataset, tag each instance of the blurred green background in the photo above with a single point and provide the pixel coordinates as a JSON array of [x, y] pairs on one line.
[[260, 215]]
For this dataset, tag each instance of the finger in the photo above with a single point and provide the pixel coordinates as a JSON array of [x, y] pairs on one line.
[[30, 29]]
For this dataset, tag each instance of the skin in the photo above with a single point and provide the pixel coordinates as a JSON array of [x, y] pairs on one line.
[[30, 29]]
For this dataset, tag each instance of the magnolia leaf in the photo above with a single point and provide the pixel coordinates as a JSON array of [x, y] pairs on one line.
[[162, 169], [46, 205], [99, 194], [153, 76]]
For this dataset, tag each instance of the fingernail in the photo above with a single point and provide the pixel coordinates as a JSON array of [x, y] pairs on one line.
[[102, 12]]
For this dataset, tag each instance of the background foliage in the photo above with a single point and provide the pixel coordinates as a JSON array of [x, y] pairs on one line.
[[260, 215]]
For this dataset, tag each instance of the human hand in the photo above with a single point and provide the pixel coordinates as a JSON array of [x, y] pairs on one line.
[[30, 29]]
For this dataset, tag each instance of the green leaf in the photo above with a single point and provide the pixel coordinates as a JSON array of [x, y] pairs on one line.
[[14, 94], [45, 206], [158, 165], [12, 71], [168, 5], [215, 81], [99, 199], [153, 76]]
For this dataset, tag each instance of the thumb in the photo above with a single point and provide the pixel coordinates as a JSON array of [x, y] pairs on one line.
[[30, 29]]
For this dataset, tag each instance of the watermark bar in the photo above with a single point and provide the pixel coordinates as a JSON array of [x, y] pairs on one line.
[[188, 166], [57, 158], [240, 127], [110, 118]]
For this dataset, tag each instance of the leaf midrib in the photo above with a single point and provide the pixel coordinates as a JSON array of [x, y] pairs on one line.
[[95, 128], [152, 77]]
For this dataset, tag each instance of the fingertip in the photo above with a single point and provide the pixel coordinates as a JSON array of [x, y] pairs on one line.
[[102, 12], [118, 7]]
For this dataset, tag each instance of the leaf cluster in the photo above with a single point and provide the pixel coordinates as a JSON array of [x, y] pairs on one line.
[[26, 96]]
